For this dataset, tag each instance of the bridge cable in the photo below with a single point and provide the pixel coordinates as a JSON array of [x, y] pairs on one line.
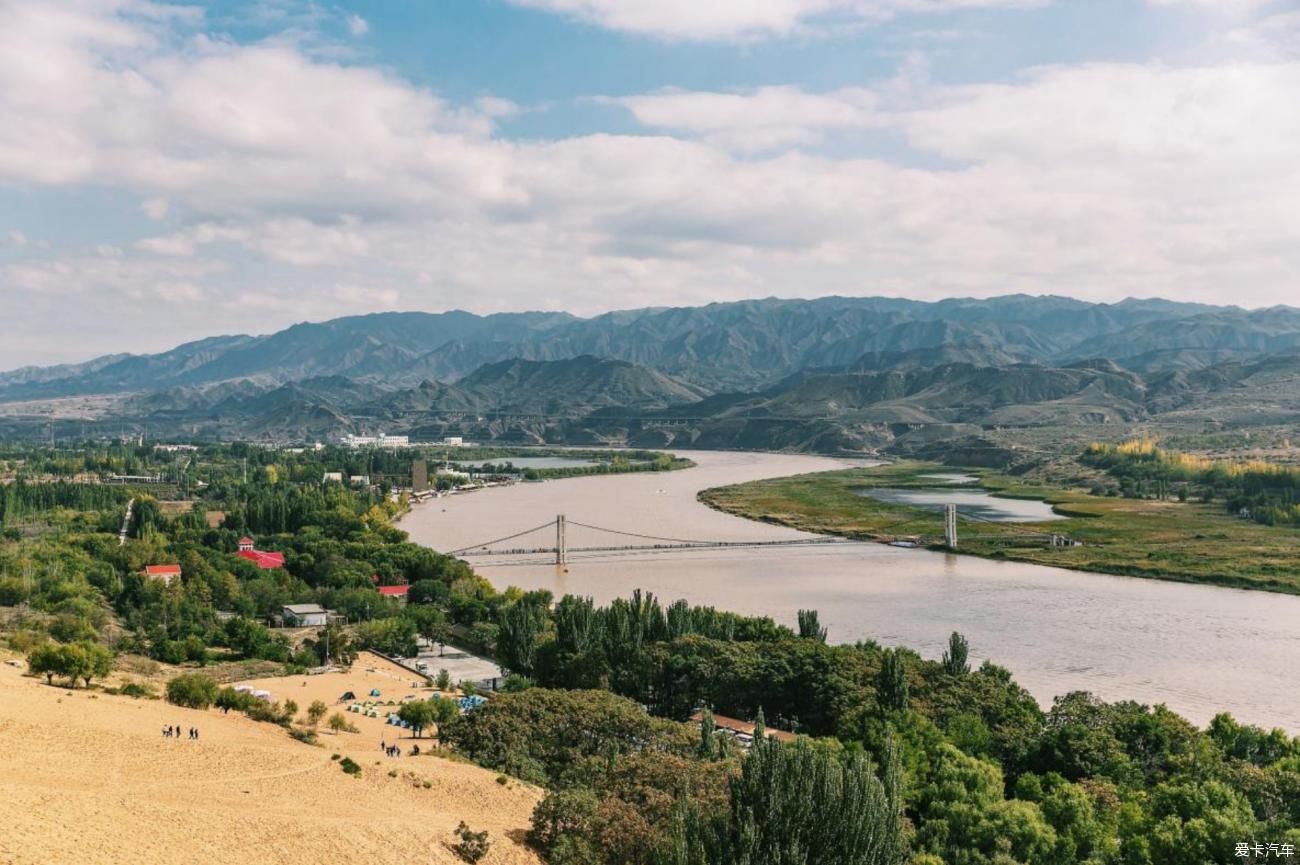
[[545, 525]]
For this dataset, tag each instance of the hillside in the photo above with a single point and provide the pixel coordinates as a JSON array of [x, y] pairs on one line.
[[744, 345], [88, 778], [830, 375]]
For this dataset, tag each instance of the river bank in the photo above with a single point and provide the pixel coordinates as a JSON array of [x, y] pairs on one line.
[[1199, 649], [1186, 542]]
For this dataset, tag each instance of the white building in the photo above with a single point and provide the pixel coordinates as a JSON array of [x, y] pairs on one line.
[[337, 477], [305, 615], [454, 441], [378, 441]]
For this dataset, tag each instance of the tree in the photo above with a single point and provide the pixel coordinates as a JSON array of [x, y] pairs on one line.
[[445, 710], [192, 690], [443, 680], [954, 659], [97, 662], [418, 713], [708, 745], [47, 660], [483, 635], [810, 627], [440, 633], [338, 723], [84, 660], [316, 711], [516, 644], [891, 685], [797, 803]]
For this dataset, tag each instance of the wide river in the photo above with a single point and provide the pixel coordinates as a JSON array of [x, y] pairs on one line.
[[1198, 649]]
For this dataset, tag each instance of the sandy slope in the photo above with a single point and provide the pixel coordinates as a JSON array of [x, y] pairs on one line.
[[89, 779]]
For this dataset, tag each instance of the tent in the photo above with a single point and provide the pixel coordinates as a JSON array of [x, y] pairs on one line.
[[374, 692], [347, 695]]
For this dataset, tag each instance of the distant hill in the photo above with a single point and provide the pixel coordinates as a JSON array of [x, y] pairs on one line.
[[833, 374], [719, 347]]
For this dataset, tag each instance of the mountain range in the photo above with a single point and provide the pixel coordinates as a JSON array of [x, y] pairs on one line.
[[828, 374]]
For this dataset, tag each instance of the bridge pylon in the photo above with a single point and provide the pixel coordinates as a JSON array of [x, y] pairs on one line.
[[561, 544]]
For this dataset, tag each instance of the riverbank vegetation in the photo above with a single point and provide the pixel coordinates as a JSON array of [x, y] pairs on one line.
[[1254, 489], [1161, 538], [942, 763]]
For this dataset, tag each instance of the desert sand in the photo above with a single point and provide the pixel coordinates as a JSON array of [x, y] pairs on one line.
[[88, 778]]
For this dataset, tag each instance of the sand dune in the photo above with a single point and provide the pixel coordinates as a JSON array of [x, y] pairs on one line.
[[88, 778]]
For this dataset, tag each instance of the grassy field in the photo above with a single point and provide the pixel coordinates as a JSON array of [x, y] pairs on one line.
[[1168, 540]]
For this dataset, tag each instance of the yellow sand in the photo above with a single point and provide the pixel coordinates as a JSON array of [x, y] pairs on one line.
[[88, 778], [370, 672]]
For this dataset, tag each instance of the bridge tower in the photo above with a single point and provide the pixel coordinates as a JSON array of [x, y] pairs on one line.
[[950, 526], [561, 545]]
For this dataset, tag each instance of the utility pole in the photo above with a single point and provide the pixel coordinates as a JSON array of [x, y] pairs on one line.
[[950, 526]]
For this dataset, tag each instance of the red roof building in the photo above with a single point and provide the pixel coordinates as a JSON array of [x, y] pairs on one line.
[[399, 592], [264, 560], [164, 573]]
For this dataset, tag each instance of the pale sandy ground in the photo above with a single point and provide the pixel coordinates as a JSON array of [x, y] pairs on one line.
[[87, 778], [369, 672]]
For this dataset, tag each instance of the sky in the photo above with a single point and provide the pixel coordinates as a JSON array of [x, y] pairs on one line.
[[170, 171]]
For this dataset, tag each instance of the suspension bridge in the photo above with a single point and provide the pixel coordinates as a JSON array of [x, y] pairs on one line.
[[654, 543], [643, 542]]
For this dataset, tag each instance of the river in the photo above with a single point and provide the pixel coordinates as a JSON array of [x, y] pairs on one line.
[[1198, 649]]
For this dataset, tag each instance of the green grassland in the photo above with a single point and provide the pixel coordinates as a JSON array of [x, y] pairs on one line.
[[1167, 540]]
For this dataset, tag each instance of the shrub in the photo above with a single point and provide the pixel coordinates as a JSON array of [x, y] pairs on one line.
[[350, 766], [307, 737], [472, 845], [192, 690], [138, 690]]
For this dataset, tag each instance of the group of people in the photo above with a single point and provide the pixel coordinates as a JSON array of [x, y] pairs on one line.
[[170, 732], [396, 750]]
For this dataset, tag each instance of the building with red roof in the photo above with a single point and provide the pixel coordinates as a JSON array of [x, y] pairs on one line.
[[163, 573], [398, 592], [264, 560]]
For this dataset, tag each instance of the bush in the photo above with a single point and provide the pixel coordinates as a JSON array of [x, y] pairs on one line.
[[307, 737], [192, 690], [350, 766], [137, 690], [472, 845]]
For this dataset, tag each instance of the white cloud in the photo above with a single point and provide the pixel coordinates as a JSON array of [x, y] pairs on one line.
[[764, 119], [299, 188], [746, 19], [357, 25]]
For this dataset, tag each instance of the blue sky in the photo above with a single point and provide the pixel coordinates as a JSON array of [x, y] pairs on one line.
[[172, 170]]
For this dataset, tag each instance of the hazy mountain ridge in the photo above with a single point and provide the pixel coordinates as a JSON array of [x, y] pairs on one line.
[[829, 374], [727, 346]]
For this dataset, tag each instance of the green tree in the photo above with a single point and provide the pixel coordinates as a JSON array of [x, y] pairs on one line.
[[795, 804], [338, 723], [316, 711], [96, 661], [47, 660], [519, 626], [810, 627], [708, 745], [445, 710], [418, 713], [192, 690], [955, 658], [891, 684]]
